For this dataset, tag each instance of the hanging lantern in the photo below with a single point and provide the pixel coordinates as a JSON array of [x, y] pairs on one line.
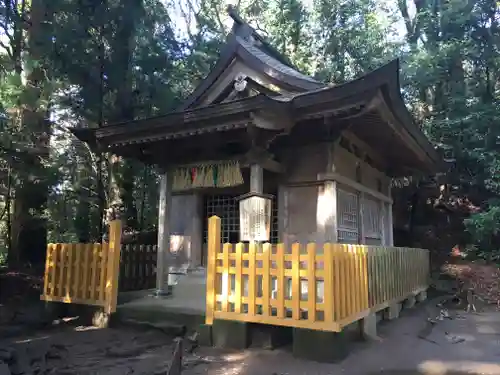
[[255, 217]]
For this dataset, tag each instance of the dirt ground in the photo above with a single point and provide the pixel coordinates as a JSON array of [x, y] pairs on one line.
[[466, 344], [85, 350], [29, 345]]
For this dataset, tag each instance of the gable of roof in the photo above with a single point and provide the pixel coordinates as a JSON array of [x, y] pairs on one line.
[[245, 45]]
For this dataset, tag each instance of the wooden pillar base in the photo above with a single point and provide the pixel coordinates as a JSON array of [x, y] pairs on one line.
[[230, 334], [369, 327], [409, 302], [270, 337], [392, 312], [159, 293], [319, 346], [422, 296]]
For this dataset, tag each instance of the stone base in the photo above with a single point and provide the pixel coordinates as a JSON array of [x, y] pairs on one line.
[[319, 346], [55, 310], [100, 319], [422, 296], [205, 335], [270, 337], [409, 302], [162, 293], [230, 334], [392, 312], [368, 327], [352, 332]]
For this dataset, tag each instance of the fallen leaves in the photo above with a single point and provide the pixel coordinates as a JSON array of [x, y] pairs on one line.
[[484, 279]]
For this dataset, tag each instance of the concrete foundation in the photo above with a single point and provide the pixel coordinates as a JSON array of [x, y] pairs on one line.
[[368, 327], [55, 310], [353, 332], [392, 312], [320, 346], [205, 335], [270, 337], [422, 296], [409, 302], [230, 334]]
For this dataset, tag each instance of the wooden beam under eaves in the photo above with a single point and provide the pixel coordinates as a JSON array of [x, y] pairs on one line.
[[264, 159]]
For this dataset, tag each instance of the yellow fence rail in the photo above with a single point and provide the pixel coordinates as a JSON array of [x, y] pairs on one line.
[[322, 287], [84, 273], [395, 273]]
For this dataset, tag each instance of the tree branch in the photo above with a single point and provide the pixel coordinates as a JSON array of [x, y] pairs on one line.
[[7, 49]]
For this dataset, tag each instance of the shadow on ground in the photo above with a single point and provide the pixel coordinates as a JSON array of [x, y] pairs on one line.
[[424, 372]]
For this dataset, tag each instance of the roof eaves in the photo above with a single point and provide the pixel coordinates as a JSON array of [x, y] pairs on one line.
[[405, 118], [174, 120], [403, 115], [367, 82], [386, 77]]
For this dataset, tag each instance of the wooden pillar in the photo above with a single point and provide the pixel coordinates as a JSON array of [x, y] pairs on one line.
[[390, 239], [383, 223], [361, 202], [256, 179], [327, 206], [113, 266], [282, 213], [164, 205], [330, 224], [197, 232], [361, 215]]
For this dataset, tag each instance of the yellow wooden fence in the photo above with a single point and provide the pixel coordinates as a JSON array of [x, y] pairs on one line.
[[84, 273], [395, 273], [307, 286]]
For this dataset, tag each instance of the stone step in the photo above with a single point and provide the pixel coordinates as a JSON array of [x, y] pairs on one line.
[[155, 313]]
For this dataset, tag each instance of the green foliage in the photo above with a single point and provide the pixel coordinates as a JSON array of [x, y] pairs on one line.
[[485, 225]]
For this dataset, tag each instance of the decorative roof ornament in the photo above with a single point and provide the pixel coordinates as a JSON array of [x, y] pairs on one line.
[[240, 82]]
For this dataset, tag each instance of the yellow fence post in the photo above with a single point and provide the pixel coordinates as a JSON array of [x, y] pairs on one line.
[[113, 266], [214, 243], [48, 282], [328, 293]]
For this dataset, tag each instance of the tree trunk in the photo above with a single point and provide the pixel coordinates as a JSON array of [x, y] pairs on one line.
[[121, 181], [29, 231]]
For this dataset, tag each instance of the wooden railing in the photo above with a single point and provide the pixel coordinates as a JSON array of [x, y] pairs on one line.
[[84, 273], [394, 273], [137, 267], [316, 287]]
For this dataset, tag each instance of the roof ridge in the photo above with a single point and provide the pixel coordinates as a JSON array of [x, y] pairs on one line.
[[269, 48]]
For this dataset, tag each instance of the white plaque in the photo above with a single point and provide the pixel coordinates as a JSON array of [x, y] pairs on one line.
[[255, 218]]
